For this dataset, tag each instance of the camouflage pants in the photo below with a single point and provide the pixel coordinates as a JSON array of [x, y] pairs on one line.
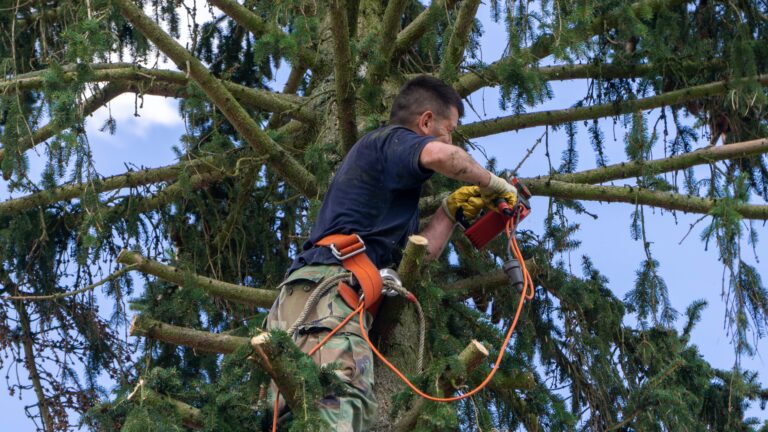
[[356, 409]]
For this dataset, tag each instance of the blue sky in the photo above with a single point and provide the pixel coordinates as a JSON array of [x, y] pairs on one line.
[[690, 272]]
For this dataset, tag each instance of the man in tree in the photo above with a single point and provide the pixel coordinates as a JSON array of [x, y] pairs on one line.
[[375, 195]]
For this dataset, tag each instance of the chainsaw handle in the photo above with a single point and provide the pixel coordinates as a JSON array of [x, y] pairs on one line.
[[503, 206]]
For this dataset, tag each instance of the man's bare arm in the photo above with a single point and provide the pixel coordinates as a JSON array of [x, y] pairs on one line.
[[453, 162], [437, 232]]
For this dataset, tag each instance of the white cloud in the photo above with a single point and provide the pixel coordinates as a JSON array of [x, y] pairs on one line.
[[154, 111]]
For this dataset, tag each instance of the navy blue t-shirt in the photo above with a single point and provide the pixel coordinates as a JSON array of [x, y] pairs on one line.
[[375, 194]]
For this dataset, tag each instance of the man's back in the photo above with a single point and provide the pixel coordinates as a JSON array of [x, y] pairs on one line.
[[374, 194]]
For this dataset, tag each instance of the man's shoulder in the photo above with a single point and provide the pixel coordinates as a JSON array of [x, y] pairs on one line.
[[385, 133]]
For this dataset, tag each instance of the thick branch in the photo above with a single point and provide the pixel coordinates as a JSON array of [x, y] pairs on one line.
[[470, 358], [285, 165], [128, 180], [634, 195], [416, 28], [657, 166], [614, 71], [342, 64], [454, 52], [282, 360], [488, 281], [227, 291], [272, 358], [149, 81], [30, 362], [254, 24], [388, 35], [199, 340], [191, 417], [522, 121]]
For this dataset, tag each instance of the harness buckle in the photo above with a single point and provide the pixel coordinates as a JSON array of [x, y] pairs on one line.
[[357, 248]]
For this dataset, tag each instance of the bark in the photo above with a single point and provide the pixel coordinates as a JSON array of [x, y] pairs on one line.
[[635, 195], [31, 364], [172, 84], [454, 52], [254, 24], [416, 28], [224, 290], [397, 335], [556, 117], [272, 358], [284, 164], [470, 358], [279, 360], [625, 170], [128, 180], [343, 64], [191, 417], [614, 71], [413, 259], [387, 35]]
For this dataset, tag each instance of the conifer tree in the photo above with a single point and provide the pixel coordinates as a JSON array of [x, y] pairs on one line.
[[208, 238]]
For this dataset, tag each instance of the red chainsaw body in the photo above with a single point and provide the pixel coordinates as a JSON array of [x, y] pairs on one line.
[[492, 223]]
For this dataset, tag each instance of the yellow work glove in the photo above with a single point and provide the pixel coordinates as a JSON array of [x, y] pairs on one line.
[[498, 188], [467, 199]]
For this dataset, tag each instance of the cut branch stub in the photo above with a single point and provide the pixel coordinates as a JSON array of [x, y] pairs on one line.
[[293, 372], [413, 258], [470, 358], [225, 290], [199, 340]]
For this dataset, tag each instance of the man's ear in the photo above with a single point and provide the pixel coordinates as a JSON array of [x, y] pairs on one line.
[[425, 122]]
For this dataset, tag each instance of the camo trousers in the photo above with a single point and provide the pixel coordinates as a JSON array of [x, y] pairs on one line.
[[356, 409]]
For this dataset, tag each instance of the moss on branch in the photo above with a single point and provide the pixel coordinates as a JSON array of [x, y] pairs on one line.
[[658, 166], [273, 356], [386, 44], [149, 81], [635, 195], [416, 28], [256, 25], [224, 290], [127, 180], [282, 162], [555, 117], [343, 64], [454, 52]]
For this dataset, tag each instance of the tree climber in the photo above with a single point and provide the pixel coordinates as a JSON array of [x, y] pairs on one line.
[[375, 195]]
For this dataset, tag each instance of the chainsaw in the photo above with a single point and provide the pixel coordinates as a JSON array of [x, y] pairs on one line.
[[492, 223]]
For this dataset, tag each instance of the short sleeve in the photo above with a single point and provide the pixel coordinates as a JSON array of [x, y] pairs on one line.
[[400, 154]]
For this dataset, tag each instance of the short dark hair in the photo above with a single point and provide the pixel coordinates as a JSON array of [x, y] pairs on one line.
[[424, 93]]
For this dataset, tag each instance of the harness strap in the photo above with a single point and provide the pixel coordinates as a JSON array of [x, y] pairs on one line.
[[350, 250]]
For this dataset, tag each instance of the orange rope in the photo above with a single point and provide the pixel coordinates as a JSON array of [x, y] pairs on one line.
[[526, 294]]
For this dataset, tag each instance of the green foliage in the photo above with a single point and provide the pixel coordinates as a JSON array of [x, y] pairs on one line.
[[573, 364]]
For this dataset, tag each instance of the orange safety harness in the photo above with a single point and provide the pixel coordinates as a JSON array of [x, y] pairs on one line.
[[342, 246]]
